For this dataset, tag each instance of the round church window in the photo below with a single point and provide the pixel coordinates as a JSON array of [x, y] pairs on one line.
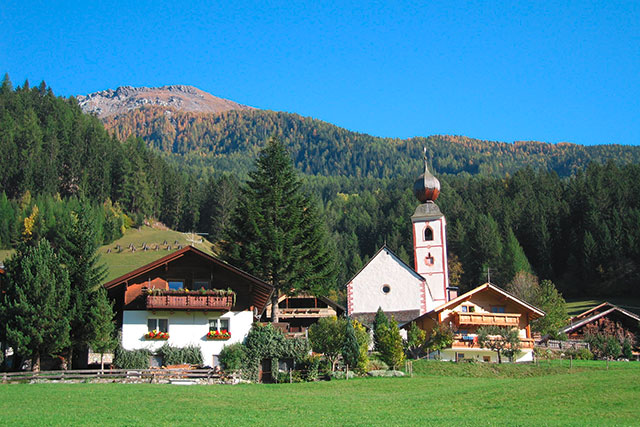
[[386, 289]]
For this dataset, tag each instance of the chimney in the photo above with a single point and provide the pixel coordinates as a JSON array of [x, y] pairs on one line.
[[452, 292]]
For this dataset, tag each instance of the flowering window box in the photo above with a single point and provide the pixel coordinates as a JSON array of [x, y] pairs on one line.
[[218, 335], [156, 335]]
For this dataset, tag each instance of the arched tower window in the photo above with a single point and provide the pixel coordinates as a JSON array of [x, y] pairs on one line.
[[428, 234]]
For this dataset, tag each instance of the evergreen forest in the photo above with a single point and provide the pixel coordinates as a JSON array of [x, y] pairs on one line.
[[564, 212]]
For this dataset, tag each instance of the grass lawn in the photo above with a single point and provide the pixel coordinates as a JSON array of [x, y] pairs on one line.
[[126, 261], [439, 393]]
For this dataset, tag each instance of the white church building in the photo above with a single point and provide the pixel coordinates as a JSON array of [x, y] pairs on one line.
[[387, 282]]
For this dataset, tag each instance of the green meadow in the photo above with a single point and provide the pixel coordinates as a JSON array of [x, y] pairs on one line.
[[438, 393]]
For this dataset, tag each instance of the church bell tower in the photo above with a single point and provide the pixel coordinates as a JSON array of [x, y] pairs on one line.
[[430, 238]]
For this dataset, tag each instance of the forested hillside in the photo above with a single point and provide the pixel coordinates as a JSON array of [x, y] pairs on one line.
[[566, 216], [229, 141]]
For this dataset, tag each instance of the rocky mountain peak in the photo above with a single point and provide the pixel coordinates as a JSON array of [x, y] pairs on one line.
[[111, 102]]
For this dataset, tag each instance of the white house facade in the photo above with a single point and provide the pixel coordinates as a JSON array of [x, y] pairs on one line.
[[187, 298]]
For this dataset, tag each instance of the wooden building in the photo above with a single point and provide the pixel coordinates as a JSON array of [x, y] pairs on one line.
[[298, 312], [486, 305], [187, 298], [620, 322]]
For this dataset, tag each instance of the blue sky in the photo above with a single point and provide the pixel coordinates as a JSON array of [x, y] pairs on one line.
[[507, 71]]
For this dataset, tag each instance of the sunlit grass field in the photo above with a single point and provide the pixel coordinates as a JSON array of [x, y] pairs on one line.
[[119, 263], [439, 393]]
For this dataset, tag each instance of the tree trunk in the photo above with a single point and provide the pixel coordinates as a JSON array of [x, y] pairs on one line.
[[499, 358], [274, 306], [35, 363], [102, 363]]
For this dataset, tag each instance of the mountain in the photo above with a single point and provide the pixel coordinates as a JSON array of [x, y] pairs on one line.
[[179, 97]]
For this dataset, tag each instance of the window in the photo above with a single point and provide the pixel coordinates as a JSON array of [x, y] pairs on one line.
[[161, 325], [428, 234], [176, 284], [459, 357], [386, 289], [221, 324], [199, 284], [468, 309], [497, 309], [465, 309], [429, 260], [486, 358]]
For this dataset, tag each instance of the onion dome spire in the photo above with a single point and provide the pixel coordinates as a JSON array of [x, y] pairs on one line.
[[427, 187]]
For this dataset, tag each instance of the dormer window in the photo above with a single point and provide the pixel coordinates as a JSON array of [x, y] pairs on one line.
[[428, 234]]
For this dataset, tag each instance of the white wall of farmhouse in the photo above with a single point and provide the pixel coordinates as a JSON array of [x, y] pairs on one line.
[[406, 289], [479, 355], [185, 328]]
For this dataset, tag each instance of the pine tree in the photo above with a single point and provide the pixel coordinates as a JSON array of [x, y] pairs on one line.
[[550, 301], [277, 235], [36, 302], [101, 324], [350, 347], [380, 322], [78, 251], [515, 260]]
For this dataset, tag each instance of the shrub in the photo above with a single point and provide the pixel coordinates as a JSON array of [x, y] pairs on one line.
[[131, 359], [232, 357], [385, 373], [341, 375], [190, 354], [579, 354], [310, 367], [377, 365]]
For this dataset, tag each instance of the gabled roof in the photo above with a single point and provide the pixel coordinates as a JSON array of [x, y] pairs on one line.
[[591, 310], [263, 289], [328, 301], [396, 257], [487, 287], [589, 319]]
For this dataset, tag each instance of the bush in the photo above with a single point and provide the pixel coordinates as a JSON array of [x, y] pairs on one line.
[[131, 359], [310, 367], [190, 354], [283, 377], [377, 365], [579, 354], [232, 357], [381, 373], [341, 375]]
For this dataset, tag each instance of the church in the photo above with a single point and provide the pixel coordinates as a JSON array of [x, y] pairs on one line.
[[389, 283], [422, 294]]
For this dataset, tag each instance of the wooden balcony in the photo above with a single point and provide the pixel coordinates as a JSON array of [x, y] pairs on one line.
[[290, 313], [486, 319], [190, 302], [469, 341]]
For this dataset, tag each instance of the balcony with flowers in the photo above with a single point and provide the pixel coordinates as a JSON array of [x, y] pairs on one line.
[[219, 335], [186, 299]]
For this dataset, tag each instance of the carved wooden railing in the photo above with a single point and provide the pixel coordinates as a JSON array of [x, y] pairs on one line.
[[190, 302]]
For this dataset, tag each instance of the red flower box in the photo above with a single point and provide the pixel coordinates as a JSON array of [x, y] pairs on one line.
[[219, 335], [156, 335]]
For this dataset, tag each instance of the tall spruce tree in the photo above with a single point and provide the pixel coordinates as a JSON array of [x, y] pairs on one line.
[[101, 323], [78, 251], [350, 346], [36, 302], [277, 234], [380, 326]]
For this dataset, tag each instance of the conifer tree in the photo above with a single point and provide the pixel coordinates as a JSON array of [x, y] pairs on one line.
[[277, 234], [350, 347], [101, 324], [78, 251], [380, 324], [36, 302]]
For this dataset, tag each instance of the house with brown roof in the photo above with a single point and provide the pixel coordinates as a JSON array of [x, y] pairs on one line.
[[608, 318], [187, 298], [298, 312], [486, 305]]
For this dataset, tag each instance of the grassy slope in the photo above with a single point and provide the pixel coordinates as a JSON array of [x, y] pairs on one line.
[[125, 261], [588, 396]]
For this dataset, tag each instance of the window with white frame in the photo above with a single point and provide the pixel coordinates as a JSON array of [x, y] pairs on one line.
[[220, 324], [156, 324], [176, 284]]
